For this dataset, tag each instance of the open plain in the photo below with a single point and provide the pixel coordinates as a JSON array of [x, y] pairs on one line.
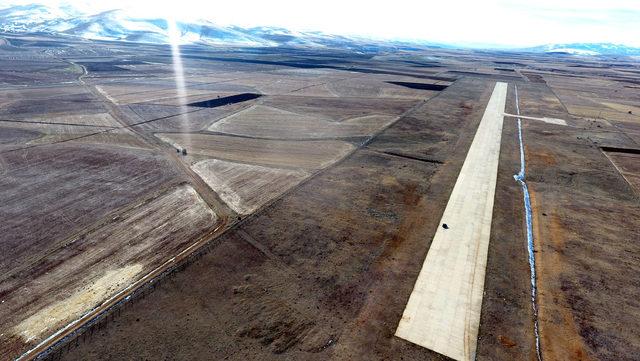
[[281, 205]]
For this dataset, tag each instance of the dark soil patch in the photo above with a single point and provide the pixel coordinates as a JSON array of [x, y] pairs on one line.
[[16, 135], [220, 101], [620, 150], [421, 86], [508, 63]]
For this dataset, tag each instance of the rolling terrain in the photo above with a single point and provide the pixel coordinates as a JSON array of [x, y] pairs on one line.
[[279, 203]]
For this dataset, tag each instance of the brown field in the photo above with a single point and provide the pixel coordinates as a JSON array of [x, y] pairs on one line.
[[265, 122], [312, 154], [628, 164], [295, 224], [245, 188], [339, 109], [93, 263]]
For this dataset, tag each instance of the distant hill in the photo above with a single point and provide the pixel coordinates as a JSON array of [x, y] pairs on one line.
[[118, 25], [585, 49]]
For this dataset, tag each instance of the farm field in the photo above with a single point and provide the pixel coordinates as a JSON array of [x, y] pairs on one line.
[[275, 207]]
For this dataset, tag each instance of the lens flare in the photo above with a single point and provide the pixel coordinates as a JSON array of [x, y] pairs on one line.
[[178, 74]]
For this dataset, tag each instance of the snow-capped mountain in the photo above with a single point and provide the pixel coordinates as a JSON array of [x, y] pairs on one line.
[[586, 49], [26, 17], [122, 26], [118, 25]]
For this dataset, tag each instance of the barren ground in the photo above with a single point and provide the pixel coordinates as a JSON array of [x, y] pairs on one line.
[[295, 225]]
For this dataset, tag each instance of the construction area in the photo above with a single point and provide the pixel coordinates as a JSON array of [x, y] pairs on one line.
[[262, 205]]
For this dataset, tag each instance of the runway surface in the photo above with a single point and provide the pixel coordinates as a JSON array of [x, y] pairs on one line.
[[443, 312]]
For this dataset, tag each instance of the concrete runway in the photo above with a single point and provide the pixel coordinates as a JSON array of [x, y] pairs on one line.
[[443, 312]]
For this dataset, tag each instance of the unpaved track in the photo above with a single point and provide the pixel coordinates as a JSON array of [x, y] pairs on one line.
[[555, 121], [222, 210], [443, 312], [224, 213], [121, 296]]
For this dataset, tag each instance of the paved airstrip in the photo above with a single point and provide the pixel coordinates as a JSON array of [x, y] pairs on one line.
[[443, 312], [296, 225]]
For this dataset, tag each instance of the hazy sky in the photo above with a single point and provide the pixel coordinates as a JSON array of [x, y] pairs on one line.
[[466, 22]]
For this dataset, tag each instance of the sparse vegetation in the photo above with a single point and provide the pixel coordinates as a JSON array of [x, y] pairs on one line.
[[286, 200]]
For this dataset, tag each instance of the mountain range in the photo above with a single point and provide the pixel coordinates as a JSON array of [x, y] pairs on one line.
[[118, 25], [586, 49]]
